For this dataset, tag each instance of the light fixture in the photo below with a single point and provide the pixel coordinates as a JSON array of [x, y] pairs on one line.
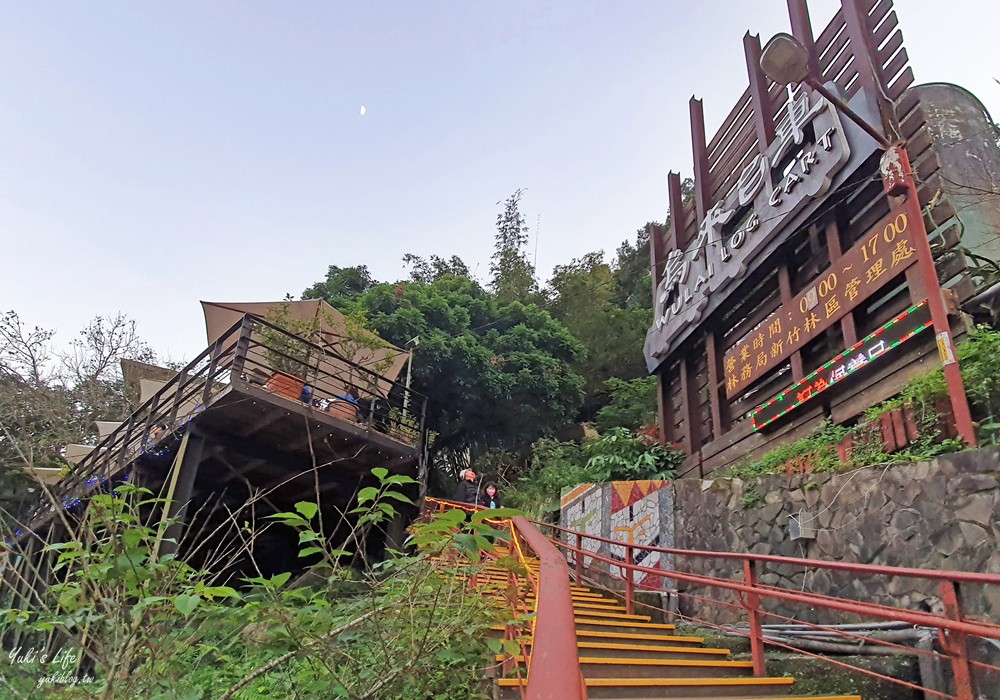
[[785, 60]]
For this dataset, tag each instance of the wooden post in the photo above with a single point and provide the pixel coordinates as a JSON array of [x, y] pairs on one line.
[[763, 114], [702, 179], [798, 15], [184, 472], [578, 559], [847, 326], [785, 287]]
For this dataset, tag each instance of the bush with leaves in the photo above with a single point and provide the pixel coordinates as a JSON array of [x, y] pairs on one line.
[[141, 624], [619, 455]]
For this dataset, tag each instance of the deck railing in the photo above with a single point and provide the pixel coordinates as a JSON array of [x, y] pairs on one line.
[[252, 352]]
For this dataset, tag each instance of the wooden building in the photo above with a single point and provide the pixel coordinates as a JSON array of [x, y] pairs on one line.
[[785, 290], [261, 420]]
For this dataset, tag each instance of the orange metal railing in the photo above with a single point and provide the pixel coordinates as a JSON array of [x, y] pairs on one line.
[[953, 628], [553, 651]]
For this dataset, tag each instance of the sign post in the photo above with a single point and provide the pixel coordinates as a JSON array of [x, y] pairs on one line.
[[897, 178]]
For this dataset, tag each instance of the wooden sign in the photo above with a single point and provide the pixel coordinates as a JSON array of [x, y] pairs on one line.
[[864, 353], [881, 254]]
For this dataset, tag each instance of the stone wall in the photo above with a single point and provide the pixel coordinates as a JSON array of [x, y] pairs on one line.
[[943, 514]]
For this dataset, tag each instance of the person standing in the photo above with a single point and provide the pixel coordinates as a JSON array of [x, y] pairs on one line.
[[467, 490], [489, 497]]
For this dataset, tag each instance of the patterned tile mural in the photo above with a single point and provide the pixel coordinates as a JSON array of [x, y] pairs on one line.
[[581, 509], [640, 512], [636, 518]]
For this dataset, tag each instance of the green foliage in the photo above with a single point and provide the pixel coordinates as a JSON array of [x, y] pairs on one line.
[[620, 455], [497, 375], [632, 405], [582, 297], [513, 274], [408, 627], [342, 286], [819, 443], [287, 353]]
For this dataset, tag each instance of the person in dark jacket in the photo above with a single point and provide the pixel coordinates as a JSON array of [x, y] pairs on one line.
[[489, 496], [468, 490]]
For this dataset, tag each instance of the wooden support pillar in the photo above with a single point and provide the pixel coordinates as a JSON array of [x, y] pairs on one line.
[[785, 287], [863, 45], [847, 326], [763, 114], [182, 487], [692, 440], [714, 361], [798, 16], [664, 410], [702, 179]]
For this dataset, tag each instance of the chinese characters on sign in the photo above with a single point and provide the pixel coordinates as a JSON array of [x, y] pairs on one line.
[[775, 184], [881, 254], [870, 350]]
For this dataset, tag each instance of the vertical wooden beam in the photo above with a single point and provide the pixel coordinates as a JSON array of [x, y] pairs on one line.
[[663, 407], [675, 200], [863, 47], [183, 488], [785, 287], [847, 326], [763, 114], [689, 405], [702, 179], [714, 362], [798, 16], [657, 254]]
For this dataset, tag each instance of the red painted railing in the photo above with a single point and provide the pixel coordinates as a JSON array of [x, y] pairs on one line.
[[953, 627], [553, 652]]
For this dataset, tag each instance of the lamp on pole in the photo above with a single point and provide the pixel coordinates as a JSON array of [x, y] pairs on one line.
[[410, 345], [785, 60]]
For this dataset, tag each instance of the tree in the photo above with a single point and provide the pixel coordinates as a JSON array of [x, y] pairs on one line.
[[50, 399], [583, 297], [497, 374], [426, 271], [513, 275]]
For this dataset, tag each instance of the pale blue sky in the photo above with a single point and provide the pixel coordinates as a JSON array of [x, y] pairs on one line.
[[155, 154]]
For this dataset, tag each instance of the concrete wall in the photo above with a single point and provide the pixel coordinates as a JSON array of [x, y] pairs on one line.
[[943, 514]]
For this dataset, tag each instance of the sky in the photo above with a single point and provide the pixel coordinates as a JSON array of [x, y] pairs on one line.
[[156, 154]]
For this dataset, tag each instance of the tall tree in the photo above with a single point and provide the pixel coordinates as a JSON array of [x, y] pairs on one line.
[[513, 274], [497, 374]]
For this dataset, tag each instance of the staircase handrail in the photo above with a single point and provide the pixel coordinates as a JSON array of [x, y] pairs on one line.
[[554, 641], [875, 569], [953, 626]]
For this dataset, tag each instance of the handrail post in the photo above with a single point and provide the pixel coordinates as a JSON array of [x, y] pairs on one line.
[[955, 644], [752, 604], [578, 559], [242, 348], [629, 581]]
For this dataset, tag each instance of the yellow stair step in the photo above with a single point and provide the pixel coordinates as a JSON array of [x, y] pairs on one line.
[[630, 636], [620, 616], [653, 649], [675, 683], [617, 661], [585, 620]]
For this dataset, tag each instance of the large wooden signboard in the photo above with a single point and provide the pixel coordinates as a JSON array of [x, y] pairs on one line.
[[881, 254], [864, 353]]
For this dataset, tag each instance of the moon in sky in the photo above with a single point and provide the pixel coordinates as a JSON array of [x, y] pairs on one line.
[[364, 110]]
